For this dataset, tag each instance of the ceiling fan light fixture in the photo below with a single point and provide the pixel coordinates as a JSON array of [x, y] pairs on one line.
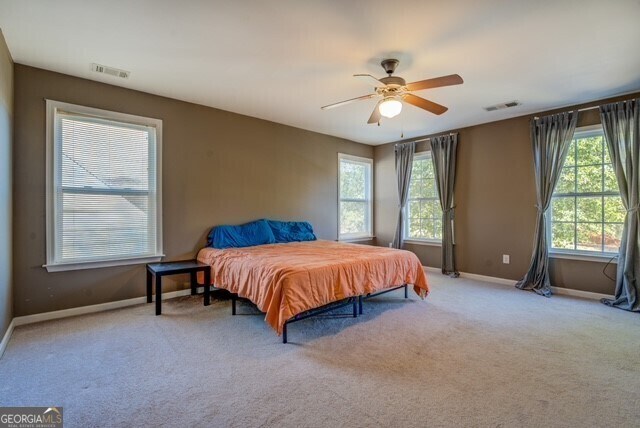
[[390, 107]]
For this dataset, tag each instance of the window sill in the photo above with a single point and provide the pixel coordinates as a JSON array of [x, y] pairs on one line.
[[357, 239], [600, 258], [423, 242], [61, 267]]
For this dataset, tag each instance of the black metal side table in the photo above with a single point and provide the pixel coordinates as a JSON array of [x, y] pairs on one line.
[[192, 267]]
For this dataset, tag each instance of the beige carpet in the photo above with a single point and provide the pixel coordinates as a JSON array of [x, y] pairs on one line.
[[473, 354]]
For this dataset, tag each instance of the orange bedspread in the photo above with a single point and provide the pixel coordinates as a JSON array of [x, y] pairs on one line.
[[284, 280]]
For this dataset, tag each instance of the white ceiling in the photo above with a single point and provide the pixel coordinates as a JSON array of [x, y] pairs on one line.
[[281, 60]]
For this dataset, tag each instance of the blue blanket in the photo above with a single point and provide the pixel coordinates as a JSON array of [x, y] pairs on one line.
[[260, 232], [292, 231], [245, 235]]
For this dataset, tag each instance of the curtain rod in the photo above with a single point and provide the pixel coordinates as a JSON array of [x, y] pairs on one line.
[[580, 109], [424, 139]]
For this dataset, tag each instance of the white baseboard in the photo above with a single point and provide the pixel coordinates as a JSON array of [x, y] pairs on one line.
[[511, 282], [580, 293], [493, 279], [64, 313], [7, 336]]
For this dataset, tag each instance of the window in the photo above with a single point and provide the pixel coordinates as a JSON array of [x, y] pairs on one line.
[[355, 203], [587, 214], [103, 188], [423, 215]]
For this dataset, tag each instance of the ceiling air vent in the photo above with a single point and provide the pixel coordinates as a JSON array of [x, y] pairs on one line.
[[116, 72], [502, 106]]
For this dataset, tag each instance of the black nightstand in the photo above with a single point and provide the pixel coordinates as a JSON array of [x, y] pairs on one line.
[[192, 267]]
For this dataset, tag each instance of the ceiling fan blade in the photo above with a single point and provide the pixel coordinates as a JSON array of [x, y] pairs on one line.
[[427, 105], [370, 79], [375, 115], [341, 103], [452, 79]]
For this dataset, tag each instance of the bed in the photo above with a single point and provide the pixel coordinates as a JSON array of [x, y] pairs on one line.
[[287, 280]]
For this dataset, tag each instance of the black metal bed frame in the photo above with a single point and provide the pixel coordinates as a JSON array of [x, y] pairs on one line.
[[355, 301], [388, 290]]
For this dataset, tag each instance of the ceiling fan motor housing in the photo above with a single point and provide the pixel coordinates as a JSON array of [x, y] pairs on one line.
[[393, 81], [389, 65]]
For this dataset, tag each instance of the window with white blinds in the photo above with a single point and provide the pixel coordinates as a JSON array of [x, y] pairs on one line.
[[103, 192]]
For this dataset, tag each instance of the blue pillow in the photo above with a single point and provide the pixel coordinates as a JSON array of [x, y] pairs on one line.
[[245, 235], [291, 231]]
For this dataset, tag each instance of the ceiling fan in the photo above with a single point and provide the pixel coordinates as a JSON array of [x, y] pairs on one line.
[[394, 90]]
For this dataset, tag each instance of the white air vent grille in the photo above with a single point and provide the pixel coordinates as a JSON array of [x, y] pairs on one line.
[[116, 72], [502, 106]]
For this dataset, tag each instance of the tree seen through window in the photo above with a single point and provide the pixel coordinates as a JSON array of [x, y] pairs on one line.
[[423, 215], [355, 204], [587, 214]]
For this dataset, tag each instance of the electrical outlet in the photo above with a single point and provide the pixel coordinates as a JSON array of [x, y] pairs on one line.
[[505, 259]]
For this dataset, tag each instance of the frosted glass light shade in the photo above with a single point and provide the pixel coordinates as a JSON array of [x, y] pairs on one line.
[[390, 107]]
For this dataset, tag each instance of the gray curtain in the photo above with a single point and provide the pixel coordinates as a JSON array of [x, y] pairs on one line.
[[404, 163], [550, 139], [620, 124], [443, 155]]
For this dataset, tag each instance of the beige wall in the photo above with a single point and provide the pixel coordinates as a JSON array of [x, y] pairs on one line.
[[6, 124], [495, 213], [218, 167]]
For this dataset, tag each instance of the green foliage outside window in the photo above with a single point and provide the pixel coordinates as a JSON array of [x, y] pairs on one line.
[[586, 210], [354, 199], [352, 180], [423, 219]]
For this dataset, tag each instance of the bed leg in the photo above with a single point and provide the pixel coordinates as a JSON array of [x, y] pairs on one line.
[[284, 333], [355, 307], [360, 305], [406, 291], [233, 304]]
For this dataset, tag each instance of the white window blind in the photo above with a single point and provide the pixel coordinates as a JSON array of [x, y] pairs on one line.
[[105, 199]]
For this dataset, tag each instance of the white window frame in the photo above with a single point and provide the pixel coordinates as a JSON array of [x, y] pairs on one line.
[[52, 265], [561, 253], [368, 198], [405, 218]]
